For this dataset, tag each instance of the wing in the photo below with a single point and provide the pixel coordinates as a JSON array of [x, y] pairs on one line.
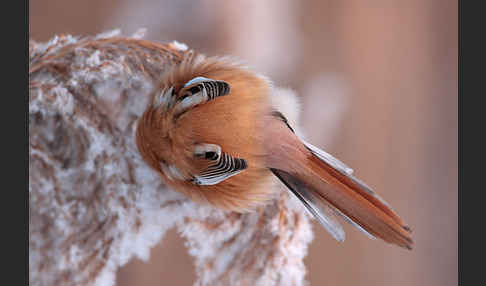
[[200, 90], [222, 165]]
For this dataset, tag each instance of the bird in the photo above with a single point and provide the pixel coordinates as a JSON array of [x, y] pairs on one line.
[[211, 133]]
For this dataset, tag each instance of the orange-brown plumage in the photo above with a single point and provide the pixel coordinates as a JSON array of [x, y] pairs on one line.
[[213, 110], [211, 122]]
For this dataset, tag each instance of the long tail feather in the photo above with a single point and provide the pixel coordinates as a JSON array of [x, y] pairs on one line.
[[326, 186], [355, 202], [322, 211]]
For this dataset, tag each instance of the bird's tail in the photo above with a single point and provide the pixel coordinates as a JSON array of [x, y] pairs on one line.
[[328, 189]]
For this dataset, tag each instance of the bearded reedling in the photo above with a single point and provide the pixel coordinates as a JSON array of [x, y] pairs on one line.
[[212, 134]]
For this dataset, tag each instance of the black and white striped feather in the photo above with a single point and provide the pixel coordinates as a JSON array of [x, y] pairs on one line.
[[225, 166], [200, 90]]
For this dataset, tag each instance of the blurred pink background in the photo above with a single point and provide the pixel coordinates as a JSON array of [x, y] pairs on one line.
[[378, 86]]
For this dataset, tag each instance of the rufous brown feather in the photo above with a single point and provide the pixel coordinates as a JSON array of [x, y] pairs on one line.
[[212, 134]]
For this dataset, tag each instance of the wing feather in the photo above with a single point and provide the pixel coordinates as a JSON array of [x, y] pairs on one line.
[[224, 167], [200, 90]]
